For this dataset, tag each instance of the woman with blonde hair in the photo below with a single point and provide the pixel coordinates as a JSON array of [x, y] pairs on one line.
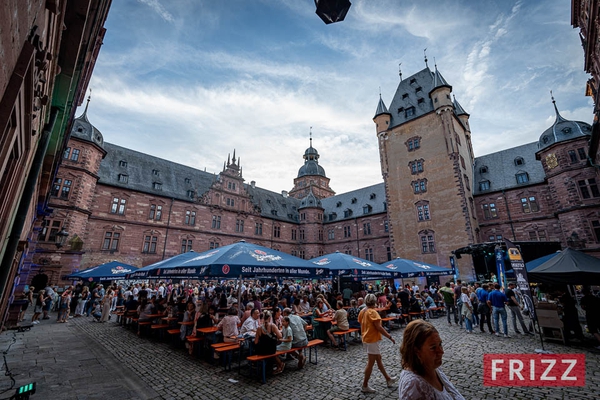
[[421, 353]]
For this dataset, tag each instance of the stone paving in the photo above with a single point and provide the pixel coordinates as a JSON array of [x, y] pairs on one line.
[[86, 360]]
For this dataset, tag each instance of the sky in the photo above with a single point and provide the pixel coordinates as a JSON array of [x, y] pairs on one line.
[[191, 81]]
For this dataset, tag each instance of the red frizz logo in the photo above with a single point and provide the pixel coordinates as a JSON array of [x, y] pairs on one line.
[[225, 269], [534, 369]]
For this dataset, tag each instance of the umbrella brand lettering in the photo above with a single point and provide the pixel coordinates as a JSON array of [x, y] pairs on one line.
[[362, 263], [266, 257], [323, 261]]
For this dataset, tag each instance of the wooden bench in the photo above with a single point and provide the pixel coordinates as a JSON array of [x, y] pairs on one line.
[[226, 349], [342, 335], [262, 359], [159, 327]]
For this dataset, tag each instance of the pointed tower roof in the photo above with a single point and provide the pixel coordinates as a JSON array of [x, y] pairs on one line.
[[562, 129], [381, 108], [311, 162], [439, 81], [458, 110], [83, 129]]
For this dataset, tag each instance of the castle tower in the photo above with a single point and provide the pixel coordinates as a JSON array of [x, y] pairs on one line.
[[426, 162], [311, 177]]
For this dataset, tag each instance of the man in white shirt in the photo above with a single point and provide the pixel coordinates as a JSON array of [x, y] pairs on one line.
[[251, 324]]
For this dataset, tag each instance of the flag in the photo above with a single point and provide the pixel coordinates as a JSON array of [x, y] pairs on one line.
[[517, 264]]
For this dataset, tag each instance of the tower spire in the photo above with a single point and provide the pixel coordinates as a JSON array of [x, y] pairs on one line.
[[558, 116], [399, 73], [310, 136], [425, 55]]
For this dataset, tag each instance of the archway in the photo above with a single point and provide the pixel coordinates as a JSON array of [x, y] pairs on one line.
[[40, 281]]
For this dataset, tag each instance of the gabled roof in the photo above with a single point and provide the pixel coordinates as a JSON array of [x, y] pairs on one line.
[[502, 169], [412, 92]]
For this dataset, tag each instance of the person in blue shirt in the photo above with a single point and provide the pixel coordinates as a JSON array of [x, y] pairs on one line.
[[497, 300], [484, 309]]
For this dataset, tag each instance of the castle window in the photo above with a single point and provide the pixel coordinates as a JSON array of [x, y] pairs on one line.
[[188, 181], [419, 186], [581, 152], [519, 161], [67, 152], [332, 216], [302, 254], [596, 229], [369, 255], [338, 204], [529, 204], [386, 226], [75, 155], [483, 170], [347, 232], [61, 187], [150, 243], [118, 206], [111, 241], [302, 234], [467, 185], [276, 231], [420, 101], [367, 209], [239, 225], [539, 236], [409, 112], [122, 163], [348, 251], [213, 245], [484, 185], [230, 202], [155, 212], [123, 178], [294, 234], [190, 194], [423, 212], [302, 216], [331, 234], [372, 196], [413, 143], [190, 217], [216, 222], [417, 90], [320, 235], [258, 228], [427, 242], [367, 228], [155, 172], [588, 188], [462, 162], [400, 110], [413, 80], [157, 185], [405, 96], [347, 213], [186, 245], [274, 212], [353, 201], [522, 177], [489, 211]]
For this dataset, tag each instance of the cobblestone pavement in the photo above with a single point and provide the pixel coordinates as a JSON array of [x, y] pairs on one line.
[[86, 360]]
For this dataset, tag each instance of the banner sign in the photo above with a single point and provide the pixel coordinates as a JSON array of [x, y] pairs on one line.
[[500, 270], [517, 264]]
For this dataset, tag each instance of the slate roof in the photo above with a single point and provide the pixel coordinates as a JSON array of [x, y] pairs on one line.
[[381, 108], [502, 169], [274, 205], [563, 129], [408, 96], [373, 196], [83, 129], [140, 167]]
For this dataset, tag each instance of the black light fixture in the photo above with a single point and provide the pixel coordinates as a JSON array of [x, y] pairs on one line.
[[59, 239], [331, 11]]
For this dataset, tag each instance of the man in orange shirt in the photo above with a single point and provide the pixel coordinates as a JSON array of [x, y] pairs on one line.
[[370, 323]]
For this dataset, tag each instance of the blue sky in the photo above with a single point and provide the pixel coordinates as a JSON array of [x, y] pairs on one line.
[[192, 80]]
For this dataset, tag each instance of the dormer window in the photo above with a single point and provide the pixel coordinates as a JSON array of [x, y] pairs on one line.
[[268, 201], [483, 170], [421, 101], [522, 177], [367, 209], [566, 130], [409, 112], [274, 212], [338, 204], [123, 163], [155, 172], [347, 213], [519, 161], [484, 185], [405, 96], [413, 80], [123, 178], [190, 194], [372, 196], [332, 216], [400, 110], [353, 201], [157, 185]]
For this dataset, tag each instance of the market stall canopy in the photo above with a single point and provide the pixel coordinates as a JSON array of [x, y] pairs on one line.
[[110, 271], [241, 259], [411, 269], [341, 264], [569, 267], [146, 272]]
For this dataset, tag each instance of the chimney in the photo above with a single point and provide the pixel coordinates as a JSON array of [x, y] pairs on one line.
[[284, 193], [253, 184]]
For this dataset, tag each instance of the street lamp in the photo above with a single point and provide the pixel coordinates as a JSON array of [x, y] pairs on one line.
[[60, 238]]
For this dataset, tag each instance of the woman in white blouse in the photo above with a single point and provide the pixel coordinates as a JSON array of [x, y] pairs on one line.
[[422, 353], [467, 309]]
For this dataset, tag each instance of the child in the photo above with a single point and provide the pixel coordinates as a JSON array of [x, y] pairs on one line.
[[286, 335]]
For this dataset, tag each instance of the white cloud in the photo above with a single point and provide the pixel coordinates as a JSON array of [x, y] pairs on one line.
[[159, 9]]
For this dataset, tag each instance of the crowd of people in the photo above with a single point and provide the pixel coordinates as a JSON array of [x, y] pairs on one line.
[[274, 316]]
